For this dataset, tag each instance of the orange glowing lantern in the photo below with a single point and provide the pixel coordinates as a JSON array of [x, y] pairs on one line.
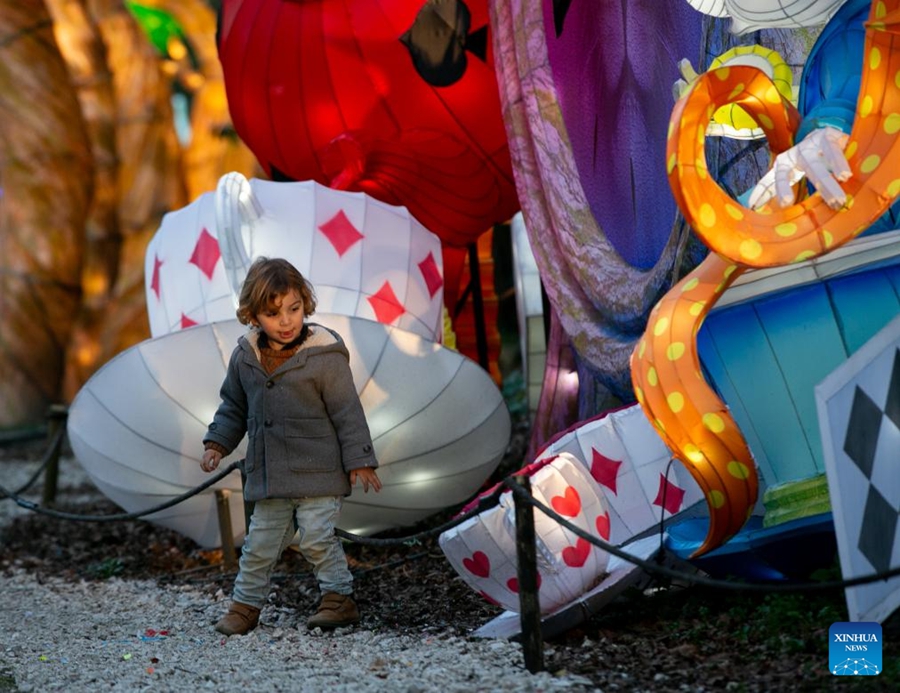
[[689, 416]]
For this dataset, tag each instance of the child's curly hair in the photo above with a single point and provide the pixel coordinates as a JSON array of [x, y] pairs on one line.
[[267, 280]]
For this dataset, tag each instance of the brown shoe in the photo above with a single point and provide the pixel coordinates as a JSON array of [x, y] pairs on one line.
[[240, 619], [335, 610]]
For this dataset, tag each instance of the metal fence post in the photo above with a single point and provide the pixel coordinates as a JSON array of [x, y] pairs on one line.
[[56, 420], [223, 507], [529, 605], [248, 505]]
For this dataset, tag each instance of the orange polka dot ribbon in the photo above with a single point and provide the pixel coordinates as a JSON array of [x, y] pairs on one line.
[[665, 368]]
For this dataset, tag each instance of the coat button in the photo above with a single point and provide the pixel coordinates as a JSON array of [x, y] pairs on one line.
[[268, 423], [270, 383], [367, 448]]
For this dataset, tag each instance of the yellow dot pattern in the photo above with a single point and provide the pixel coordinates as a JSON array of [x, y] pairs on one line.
[[892, 123], [874, 59], [865, 108], [694, 454], [685, 410], [676, 402], [734, 212], [675, 351], [662, 324], [738, 470], [692, 419], [786, 230], [750, 249], [870, 163], [714, 422]]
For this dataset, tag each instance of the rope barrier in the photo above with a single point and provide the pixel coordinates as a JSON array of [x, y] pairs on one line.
[[652, 567], [34, 507], [52, 450], [485, 503]]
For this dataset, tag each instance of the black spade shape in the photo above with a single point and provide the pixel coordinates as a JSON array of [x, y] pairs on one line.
[[437, 39], [560, 10]]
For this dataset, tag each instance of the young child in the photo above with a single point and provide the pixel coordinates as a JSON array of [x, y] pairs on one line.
[[290, 389]]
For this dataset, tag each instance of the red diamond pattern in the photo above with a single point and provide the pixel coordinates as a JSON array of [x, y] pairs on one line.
[[604, 470], [386, 305], [186, 321], [340, 233], [673, 495], [206, 253], [431, 274], [154, 280]]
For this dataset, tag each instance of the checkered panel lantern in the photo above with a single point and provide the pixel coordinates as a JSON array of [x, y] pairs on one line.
[[859, 418], [483, 549]]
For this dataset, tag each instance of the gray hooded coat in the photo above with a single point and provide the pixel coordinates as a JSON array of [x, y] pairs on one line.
[[305, 424]]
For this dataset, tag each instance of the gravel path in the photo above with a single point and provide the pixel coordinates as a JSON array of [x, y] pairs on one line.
[[125, 635]]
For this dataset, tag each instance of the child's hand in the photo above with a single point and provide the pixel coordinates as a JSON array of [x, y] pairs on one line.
[[368, 477], [210, 461]]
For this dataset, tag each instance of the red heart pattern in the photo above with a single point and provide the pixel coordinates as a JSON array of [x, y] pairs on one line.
[[575, 556], [602, 523], [513, 584], [479, 564], [568, 504]]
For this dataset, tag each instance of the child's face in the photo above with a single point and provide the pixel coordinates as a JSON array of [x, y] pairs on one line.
[[282, 321]]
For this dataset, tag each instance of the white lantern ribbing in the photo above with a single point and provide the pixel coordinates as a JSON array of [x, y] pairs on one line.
[[438, 421], [752, 15]]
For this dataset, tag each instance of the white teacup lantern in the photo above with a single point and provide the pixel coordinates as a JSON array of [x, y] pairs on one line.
[[365, 258], [627, 458], [483, 548], [438, 421]]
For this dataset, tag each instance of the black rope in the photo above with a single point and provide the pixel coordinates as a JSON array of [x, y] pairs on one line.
[[28, 505], [662, 508], [55, 444], [483, 504], [651, 567]]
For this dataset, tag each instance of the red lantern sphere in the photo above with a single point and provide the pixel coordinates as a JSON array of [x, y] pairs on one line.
[[394, 98]]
